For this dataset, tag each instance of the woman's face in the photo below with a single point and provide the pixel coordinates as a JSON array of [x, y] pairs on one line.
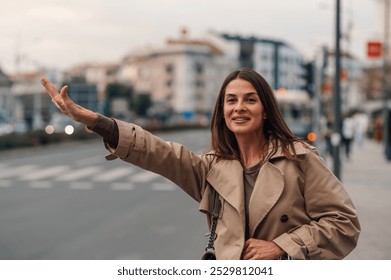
[[243, 110]]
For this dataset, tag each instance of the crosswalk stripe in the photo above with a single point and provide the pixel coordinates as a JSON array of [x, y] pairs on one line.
[[143, 177], [78, 174], [44, 173], [122, 186], [90, 160], [46, 177], [113, 174], [41, 184], [15, 171], [5, 183], [81, 185], [163, 187]]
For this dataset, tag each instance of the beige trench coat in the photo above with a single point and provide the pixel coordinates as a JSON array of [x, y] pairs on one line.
[[301, 206]]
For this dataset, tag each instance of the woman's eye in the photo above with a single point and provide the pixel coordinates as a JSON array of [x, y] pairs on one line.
[[251, 100], [230, 100]]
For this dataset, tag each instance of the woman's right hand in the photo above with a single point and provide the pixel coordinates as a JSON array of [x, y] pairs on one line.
[[67, 106]]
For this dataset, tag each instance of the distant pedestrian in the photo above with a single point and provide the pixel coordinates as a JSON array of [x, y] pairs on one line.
[[360, 127], [327, 137], [348, 131], [270, 193], [378, 131]]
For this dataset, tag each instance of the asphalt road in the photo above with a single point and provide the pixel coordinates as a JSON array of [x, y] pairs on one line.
[[68, 202]]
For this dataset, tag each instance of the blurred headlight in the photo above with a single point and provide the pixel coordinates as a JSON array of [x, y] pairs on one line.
[[69, 129], [49, 129]]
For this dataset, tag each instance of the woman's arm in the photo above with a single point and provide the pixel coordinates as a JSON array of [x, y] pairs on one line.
[[169, 159], [137, 146]]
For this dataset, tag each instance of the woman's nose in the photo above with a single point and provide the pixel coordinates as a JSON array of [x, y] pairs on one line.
[[240, 107]]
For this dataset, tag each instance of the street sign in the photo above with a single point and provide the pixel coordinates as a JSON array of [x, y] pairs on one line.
[[374, 49]]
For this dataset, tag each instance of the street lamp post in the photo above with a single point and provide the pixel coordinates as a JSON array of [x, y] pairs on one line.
[[336, 137], [386, 88]]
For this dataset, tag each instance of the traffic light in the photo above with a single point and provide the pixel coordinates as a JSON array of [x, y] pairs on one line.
[[309, 78]]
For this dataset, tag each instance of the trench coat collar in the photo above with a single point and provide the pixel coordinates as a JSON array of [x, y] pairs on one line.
[[226, 176], [267, 190], [300, 149], [268, 187]]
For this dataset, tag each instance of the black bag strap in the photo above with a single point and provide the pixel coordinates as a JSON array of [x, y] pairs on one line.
[[213, 223]]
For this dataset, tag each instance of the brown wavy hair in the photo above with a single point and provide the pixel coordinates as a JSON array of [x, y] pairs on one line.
[[275, 129]]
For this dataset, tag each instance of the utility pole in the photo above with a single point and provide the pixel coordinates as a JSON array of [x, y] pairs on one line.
[[336, 137], [386, 88]]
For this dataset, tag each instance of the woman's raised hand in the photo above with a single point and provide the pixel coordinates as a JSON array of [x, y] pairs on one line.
[[67, 106]]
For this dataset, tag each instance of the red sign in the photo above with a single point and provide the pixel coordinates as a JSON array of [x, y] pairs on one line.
[[374, 49], [343, 75]]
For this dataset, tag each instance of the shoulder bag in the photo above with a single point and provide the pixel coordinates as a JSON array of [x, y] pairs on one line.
[[210, 253]]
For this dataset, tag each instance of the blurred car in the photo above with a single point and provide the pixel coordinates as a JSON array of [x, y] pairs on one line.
[[5, 128], [61, 124]]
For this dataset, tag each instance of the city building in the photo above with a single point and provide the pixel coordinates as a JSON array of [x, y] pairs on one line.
[[5, 97], [30, 105], [94, 73], [183, 76], [5, 103], [277, 61]]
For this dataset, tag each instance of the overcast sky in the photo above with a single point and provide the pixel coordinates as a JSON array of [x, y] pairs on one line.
[[63, 33]]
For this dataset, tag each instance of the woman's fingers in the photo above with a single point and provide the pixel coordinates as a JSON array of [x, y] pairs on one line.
[[66, 101], [56, 103], [64, 93], [60, 99], [65, 104], [50, 89]]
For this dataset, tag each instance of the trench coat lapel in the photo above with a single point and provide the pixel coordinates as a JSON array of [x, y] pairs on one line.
[[267, 190], [227, 179]]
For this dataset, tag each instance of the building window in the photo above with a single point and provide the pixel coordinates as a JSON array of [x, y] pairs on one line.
[[198, 68], [169, 68], [199, 84]]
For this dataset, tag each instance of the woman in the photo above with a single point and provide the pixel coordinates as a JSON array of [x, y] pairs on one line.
[[277, 197]]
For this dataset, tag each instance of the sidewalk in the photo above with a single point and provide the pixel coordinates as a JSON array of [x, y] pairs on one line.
[[367, 178]]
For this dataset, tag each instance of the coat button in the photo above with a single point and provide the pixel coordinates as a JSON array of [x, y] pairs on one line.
[[284, 218]]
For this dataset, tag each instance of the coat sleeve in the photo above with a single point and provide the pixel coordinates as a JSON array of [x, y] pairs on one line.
[[334, 228], [171, 160]]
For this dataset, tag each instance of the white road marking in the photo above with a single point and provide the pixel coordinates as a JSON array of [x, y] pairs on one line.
[[122, 186], [113, 174], [143, 177], [44, 173], [41, 184], [81, 185], [163, 187], [5, 183], [90, 160], [78, 174], [17, 170]]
